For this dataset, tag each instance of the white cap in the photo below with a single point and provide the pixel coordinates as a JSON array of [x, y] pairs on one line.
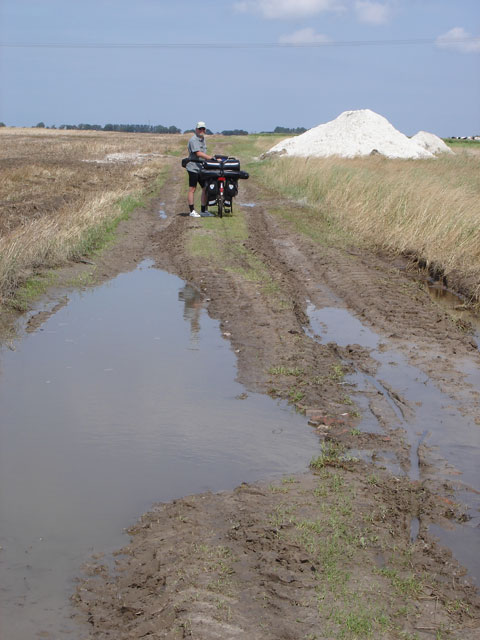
[[200, 125]]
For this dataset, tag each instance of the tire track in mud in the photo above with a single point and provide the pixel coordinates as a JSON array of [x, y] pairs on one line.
[[378, 293], [267, 338], [264, 334]]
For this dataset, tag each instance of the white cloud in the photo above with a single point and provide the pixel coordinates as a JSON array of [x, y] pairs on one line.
[[303, 36], [285, 9], [457, 39], [372, 12]]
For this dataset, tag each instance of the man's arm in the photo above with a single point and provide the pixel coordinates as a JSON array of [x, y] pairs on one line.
[[204, 156]]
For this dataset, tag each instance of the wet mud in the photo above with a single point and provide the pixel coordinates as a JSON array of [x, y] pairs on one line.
[[388, 383]]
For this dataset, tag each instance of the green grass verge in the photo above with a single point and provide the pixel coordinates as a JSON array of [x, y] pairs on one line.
[[458, 144], [221, 241], [30, 290]]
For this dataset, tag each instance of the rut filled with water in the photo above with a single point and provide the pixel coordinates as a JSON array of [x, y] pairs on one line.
[[124, 397], [427, 416]]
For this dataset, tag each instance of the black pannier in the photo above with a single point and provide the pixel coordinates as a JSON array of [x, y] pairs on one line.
[[211, 188], [206, 174], [231, 188]]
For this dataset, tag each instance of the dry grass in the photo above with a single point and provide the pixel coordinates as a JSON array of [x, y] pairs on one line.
[[59, 193], [82, 145], [426, 208]]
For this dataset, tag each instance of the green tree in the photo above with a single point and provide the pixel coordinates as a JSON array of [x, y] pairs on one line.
[[40, 125]]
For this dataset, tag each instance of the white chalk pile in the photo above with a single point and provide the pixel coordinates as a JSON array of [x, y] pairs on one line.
[[359, 133], [431, 142]]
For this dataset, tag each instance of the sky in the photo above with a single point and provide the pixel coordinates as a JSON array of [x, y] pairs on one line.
[[300, 63]]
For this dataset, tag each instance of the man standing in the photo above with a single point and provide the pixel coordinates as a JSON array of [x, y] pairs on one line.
[[197, 150]]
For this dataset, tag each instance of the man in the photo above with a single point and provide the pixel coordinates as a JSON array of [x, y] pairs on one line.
[[197, 150]]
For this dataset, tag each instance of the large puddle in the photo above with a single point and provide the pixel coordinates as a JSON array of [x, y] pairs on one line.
[[124, 397], [428, 417]]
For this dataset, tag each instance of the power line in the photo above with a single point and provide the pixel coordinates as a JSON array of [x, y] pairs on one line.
[[235, 45]]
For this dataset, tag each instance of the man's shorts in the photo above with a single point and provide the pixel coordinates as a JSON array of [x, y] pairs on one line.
[[194, 179]]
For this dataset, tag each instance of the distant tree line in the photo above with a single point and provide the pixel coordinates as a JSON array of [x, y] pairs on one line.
[[234, 132], [123, 128], [147, 128], [207, 131], [289, 130]]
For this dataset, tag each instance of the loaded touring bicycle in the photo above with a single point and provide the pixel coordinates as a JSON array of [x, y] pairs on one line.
[[221, 176]]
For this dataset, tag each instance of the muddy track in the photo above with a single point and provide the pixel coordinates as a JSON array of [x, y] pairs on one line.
[[236, 564], [266, 335], [382, 296]]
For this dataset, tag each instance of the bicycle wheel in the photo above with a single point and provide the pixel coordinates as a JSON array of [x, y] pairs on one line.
[[220, 205]]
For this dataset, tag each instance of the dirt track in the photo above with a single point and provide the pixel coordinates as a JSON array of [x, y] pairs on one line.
[[238, 564]]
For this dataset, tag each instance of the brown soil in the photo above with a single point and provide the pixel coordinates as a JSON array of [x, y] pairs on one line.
[[271, 561]]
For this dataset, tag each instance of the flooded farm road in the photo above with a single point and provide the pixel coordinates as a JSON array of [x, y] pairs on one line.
[[154, 386]]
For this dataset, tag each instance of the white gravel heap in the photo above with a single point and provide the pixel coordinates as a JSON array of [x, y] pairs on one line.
[[353, 133], [431, 142]]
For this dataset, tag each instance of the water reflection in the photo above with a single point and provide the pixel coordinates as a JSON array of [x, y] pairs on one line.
[[192, 299]]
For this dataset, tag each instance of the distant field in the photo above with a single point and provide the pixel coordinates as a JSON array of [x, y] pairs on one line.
[[61, 192], [468, 144]]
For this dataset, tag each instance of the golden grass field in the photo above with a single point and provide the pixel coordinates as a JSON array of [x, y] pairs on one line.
[[427, 209], [60, 192]]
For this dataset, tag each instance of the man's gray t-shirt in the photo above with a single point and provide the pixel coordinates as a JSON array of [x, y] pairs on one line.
[[195, 144]]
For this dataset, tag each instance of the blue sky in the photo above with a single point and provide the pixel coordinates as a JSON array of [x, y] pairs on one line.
[[433, 86]]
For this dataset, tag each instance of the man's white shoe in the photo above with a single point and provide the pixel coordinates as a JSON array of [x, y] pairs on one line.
[[194, 214]]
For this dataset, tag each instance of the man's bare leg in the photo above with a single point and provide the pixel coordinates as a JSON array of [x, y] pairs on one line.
[[191, 195]]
